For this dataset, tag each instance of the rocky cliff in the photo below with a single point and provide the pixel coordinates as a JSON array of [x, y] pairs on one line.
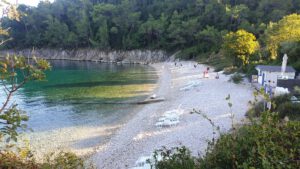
[[133, 56]]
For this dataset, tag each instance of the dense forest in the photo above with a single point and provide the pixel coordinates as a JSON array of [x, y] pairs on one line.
[[193, 27]]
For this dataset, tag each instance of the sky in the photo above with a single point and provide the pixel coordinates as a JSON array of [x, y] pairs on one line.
[[28, 2]]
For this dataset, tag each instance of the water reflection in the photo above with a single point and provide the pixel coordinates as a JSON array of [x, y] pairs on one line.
[[72, 104]]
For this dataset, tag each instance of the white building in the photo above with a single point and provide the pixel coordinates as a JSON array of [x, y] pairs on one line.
[[268, 75]]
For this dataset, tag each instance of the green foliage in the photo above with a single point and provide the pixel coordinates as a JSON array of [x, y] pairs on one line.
[[195, 27], [57, 33], [236, 78], [292, 49], [10, 159], [281, 104], [289, 109], [240, 45], [249, 70], [25, 160], [15, 71], [63, 160], [267, 143], [218, 61], [11, 118], [175, 158], [286, 30]]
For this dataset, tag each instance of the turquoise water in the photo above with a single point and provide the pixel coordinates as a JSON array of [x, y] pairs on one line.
[[80, 104]]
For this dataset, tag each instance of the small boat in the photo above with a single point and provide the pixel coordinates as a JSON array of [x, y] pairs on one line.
[[152, 100]]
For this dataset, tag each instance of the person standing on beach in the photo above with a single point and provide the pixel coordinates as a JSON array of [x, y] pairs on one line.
[[205, 73]]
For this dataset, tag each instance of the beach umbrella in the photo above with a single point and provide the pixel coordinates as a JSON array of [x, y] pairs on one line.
[[284, 63]]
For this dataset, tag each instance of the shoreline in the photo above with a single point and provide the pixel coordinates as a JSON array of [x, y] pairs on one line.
[[83, 139], [94, 55], [139, 136]]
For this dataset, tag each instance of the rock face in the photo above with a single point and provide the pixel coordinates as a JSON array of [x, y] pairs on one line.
[[133, 56]]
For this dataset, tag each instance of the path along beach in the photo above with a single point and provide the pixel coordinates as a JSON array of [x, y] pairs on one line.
[[140, 137]]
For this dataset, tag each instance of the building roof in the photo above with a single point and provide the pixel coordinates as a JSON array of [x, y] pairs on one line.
[[275, 68]]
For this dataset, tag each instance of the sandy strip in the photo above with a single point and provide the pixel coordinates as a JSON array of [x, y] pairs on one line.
[[140, 137]]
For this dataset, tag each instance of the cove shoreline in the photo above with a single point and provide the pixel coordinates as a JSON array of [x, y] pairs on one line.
[[81, 138]]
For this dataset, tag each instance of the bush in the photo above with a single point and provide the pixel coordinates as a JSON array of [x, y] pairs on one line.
[[256, 110], [296, 65], [175, 158], [216, 60], [281, 104], [268, 143], [236, 78], [9, 160], [188, 53], [249, 70], [63, 160], [289, 109]]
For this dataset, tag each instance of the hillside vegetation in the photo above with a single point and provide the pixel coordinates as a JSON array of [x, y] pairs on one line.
[[196, 27]]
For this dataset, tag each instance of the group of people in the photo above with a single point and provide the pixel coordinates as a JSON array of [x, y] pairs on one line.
[[205, 72]]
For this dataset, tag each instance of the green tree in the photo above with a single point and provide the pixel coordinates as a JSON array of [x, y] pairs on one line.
[[173, 25], [57, 33], [101, 20], [241, 45], [151, 32], [286, 30], [10, 117], [209, 39], [175, 32]]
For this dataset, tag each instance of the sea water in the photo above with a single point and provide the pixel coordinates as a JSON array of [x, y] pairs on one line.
[[80, 105]]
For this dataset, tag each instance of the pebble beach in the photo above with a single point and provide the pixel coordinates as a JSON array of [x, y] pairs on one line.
[[140, 137]]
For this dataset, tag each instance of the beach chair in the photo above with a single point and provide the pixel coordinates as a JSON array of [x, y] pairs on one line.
[[167, 123], [169, 117], [142, 161], [148, 166], [190, 85]]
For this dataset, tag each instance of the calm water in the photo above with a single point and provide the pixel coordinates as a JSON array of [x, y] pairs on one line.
[[80, 104]]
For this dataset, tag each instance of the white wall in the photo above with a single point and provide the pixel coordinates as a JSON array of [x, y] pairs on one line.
[[273, 76]]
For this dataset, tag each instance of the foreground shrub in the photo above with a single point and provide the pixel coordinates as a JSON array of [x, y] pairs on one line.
[[63, 160], [236, 78], [175, 158], [289, 109], [249, 70], [281, 104], [9, 160], [268, 143]]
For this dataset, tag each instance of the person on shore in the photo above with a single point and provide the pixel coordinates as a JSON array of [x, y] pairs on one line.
[[217, 76], [205, 73]]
